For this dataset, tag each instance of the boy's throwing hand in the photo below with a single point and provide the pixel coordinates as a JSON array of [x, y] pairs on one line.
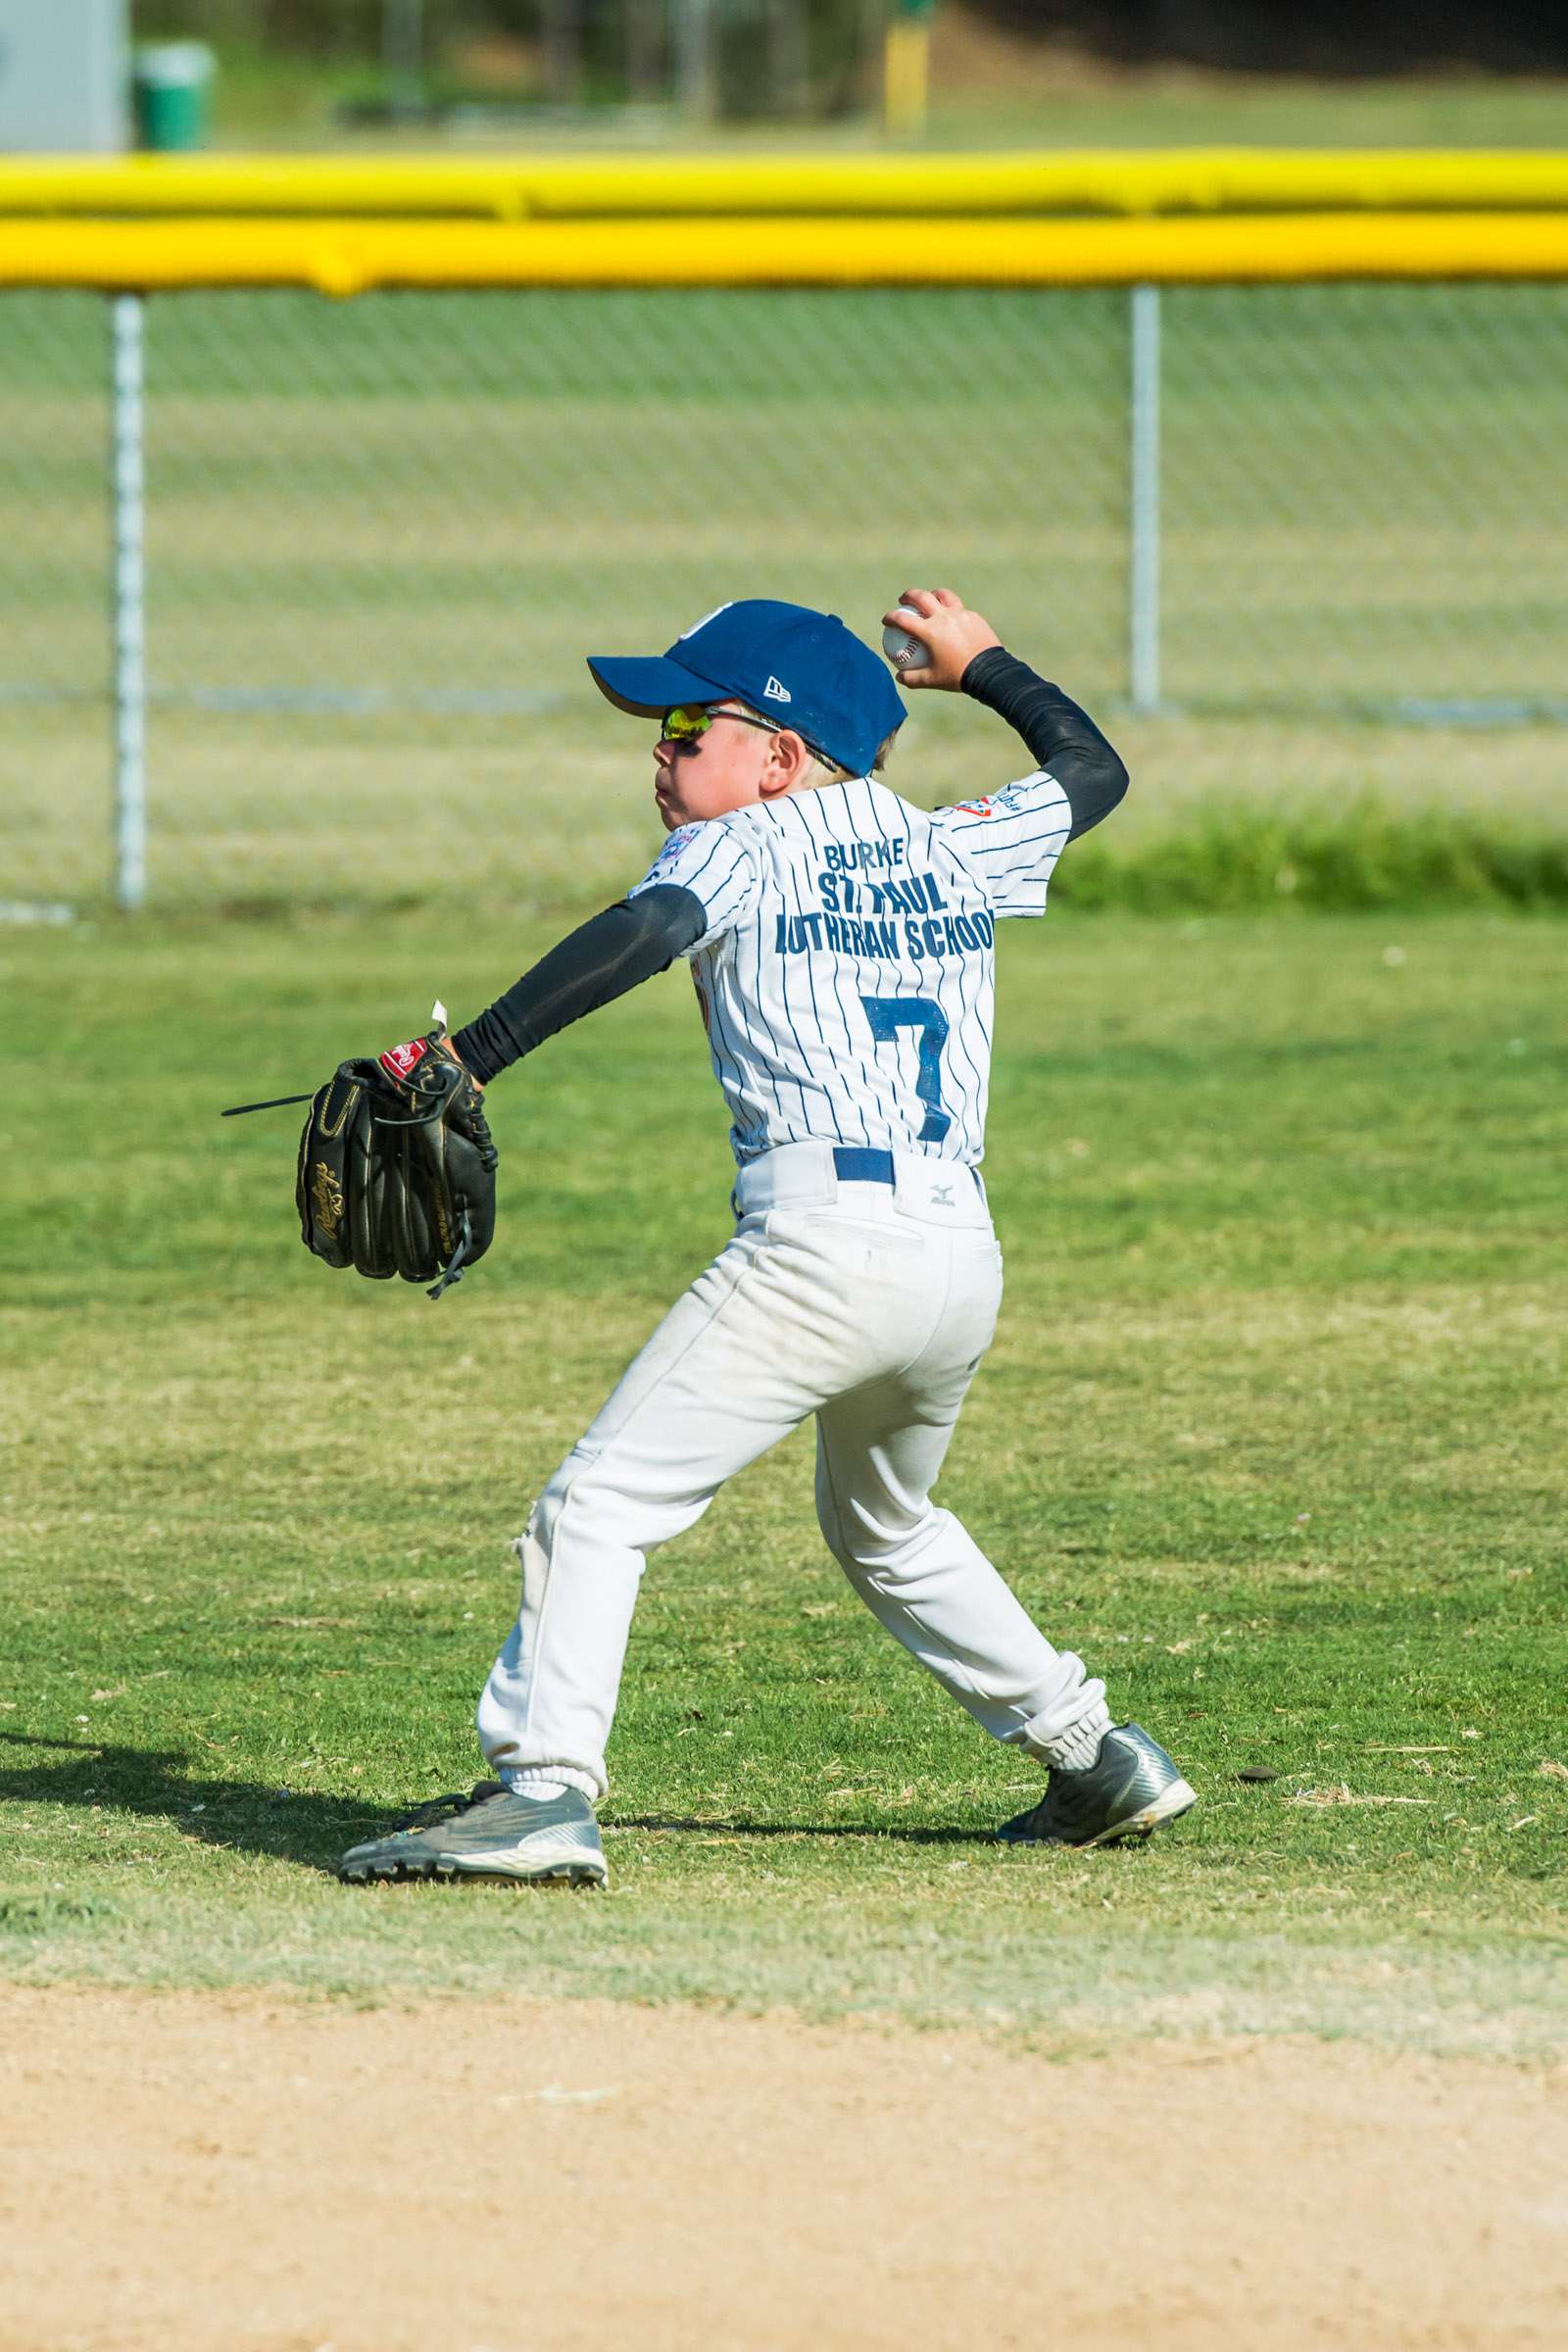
[[952, 634]]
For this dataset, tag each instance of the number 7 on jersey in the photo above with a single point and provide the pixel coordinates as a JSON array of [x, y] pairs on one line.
[[887, 1016]]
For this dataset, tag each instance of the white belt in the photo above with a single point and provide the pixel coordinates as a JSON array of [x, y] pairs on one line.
[[937, 1191]]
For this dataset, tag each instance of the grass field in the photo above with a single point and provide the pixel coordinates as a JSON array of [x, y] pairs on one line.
[[383, 535], [1271, 1430]]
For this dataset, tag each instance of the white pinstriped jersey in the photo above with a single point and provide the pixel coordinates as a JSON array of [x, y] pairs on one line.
[[846, 970]]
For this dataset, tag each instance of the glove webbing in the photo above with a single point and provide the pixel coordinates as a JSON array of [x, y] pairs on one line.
[[453, 1270]]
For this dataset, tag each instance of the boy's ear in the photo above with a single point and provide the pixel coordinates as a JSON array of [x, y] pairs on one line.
[[788, 761]]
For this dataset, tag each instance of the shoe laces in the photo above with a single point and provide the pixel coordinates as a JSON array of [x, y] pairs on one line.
[[444, 1808]]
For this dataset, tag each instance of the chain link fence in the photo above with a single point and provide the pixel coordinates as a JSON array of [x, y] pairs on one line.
[[381, 535]]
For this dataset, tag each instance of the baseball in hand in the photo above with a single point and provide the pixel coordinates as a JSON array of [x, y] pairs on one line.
[[901, 650]]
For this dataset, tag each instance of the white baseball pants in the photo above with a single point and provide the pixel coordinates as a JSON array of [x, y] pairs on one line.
[[867, 1305]]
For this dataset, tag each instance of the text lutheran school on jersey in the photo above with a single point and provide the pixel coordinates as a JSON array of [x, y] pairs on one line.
[[927, 927]]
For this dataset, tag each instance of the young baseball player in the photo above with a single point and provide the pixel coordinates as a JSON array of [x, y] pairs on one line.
[[841, 940]]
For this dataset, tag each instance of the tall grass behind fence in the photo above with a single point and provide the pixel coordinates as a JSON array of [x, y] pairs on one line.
[[382, 534]]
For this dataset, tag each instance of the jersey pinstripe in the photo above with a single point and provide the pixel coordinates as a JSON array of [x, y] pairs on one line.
[[846, 970]]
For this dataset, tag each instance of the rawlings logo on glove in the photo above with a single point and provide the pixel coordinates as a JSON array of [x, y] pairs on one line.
[[399, 1060]]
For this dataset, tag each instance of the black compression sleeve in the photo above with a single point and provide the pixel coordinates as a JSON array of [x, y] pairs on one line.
[[591, 967], [1059, 735]]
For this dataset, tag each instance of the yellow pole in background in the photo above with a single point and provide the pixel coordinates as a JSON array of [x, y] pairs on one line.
[[907, 67]]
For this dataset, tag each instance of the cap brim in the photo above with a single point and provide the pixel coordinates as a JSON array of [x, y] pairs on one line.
[[648, 685]]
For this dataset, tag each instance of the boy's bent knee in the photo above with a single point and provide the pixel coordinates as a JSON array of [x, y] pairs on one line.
[[873, 1547], [601, 1510], [571, 1483]]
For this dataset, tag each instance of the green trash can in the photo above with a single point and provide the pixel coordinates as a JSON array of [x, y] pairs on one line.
[[172, 85]]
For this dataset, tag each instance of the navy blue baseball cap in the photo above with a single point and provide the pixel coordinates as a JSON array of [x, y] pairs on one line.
[[804, 668]]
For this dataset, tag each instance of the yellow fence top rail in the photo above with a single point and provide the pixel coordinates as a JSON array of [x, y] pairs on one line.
[[344, 257], [1195, 180]]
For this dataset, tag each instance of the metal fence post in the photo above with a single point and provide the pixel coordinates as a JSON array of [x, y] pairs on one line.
[[128, 596], [1143, 567], [693, 39]]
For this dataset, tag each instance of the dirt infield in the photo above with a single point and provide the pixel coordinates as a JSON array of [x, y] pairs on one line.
[[202, 2170]]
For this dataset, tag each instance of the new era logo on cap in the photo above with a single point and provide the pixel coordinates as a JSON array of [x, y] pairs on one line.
[[774, 692]]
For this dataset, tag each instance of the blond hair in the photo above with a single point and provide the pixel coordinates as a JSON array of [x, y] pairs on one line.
[[830, 772]]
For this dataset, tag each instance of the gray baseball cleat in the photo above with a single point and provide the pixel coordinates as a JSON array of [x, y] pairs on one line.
[[496, 1832], [1131, 1788]]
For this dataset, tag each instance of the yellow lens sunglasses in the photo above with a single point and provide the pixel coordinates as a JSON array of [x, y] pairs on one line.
[[690, 721]]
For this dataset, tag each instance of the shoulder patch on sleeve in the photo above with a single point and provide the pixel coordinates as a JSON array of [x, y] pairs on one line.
[[678, 841]]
